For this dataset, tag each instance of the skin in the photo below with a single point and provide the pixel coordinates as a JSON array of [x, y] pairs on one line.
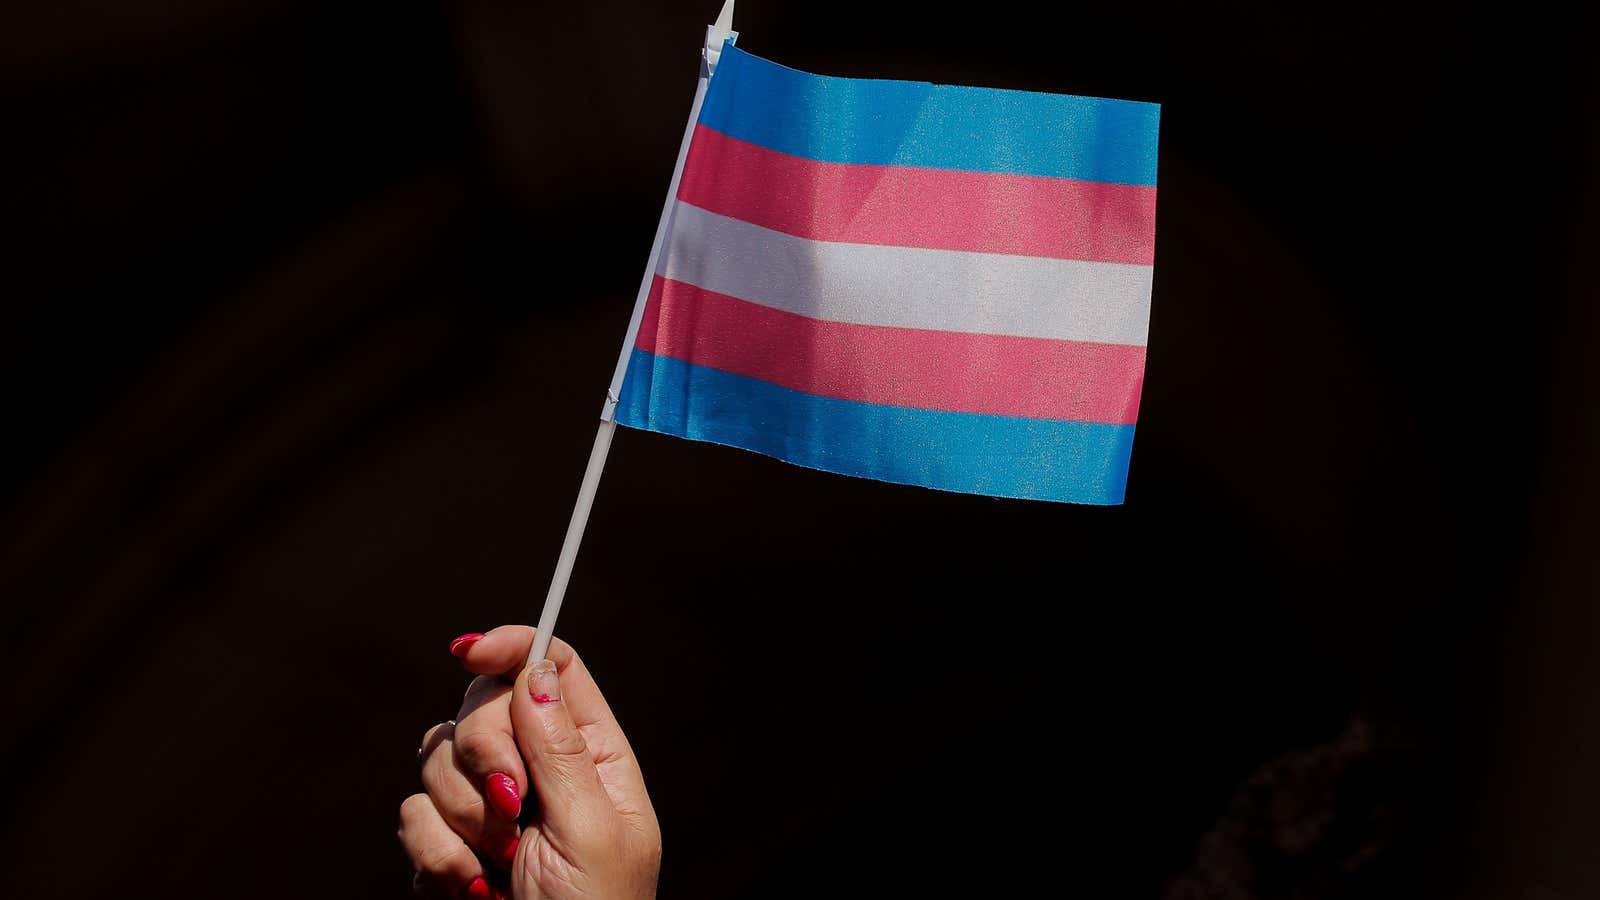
[[592, 832]]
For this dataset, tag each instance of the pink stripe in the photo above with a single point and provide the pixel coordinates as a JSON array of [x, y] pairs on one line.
[[978, 373], [901, 206]]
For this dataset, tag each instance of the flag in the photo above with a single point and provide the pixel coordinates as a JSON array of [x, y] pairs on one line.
[[924, 284]]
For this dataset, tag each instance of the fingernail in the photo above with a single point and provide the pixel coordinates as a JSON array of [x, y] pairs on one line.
[[544, 685], [503, 796], [477, 889], [462, 644], [508, 850]]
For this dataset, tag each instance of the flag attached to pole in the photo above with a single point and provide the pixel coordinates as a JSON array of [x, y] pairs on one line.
[[925, 284]]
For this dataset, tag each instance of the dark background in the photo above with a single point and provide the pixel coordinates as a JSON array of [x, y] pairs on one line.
[[309, 308]]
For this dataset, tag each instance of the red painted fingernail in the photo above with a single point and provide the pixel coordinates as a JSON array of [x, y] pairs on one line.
[[477, 889], [503, 795], [462, 644], [508, 850], [544, 685]]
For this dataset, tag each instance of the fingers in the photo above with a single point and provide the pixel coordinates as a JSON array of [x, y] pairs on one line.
[[503, 652], [484, 749], [445, 866], [576, 807], [459, 802]]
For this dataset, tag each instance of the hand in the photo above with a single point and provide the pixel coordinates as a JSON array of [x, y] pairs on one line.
[[594, 834]]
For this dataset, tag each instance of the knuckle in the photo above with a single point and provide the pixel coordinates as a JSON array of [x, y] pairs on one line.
[[412, 809], [478, 752], [436, 773], [480, 690], [561, 739], [441, 861]]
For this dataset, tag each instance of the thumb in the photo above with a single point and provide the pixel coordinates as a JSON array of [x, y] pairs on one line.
[[573, 803]]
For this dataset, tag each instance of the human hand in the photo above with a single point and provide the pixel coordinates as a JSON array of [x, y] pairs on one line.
[[592, 833]]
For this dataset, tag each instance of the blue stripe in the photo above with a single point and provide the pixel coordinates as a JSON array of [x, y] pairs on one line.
[[1001, 456], [915, 123]]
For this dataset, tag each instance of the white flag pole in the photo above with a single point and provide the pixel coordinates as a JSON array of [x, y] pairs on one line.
[[715, 35]]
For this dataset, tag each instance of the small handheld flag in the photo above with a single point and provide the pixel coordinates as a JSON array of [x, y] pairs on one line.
[[926, 284], [932, 285]]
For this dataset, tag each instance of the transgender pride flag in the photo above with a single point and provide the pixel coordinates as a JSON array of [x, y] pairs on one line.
[[931, 285]]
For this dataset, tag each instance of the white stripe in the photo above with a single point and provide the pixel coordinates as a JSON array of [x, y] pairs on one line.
[[909, 287]]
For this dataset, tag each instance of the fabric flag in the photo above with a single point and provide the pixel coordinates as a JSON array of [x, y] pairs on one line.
[[925, 284]]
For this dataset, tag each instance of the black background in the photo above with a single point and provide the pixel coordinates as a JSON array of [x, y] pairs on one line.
[[309, 308]]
